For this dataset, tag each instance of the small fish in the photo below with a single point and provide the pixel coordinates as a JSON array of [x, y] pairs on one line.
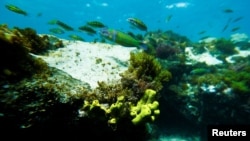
[[237, 19], [152, 41], [64, 26], [202, 32], [228, 10], [87, 29], [235, 29], [16, 9], [204, 37], [131, 34], [96, 24], [169, 18], [121, 38], [52, 22], [137, 23], [76, 37], [39, 14], [56, 30], [225, 27], [227, 24], [199, 71]]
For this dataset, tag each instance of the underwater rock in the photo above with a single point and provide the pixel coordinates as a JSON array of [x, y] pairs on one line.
[[239, 37], [204, 57], [35, 97], [90, 62], [29, 87]]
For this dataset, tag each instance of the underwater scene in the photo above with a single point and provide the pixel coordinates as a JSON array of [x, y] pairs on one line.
[[159, 70]]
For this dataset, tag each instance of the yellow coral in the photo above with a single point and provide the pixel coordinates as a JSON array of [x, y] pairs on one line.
[[112, 112], [146, 109], [112, 121]]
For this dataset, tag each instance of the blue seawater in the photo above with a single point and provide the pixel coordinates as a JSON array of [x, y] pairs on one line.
[[185, 17]]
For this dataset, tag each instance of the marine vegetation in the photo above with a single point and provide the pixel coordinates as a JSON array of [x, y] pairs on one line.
[[134, 98], [165, 51], [167, 45], [34, 43], [238, 81], [145, 72], [15, 60], [16, 9], [203, 95], [225, 46]]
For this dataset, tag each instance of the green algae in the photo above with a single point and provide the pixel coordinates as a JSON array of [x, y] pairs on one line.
[[146, 68], [225, 46]]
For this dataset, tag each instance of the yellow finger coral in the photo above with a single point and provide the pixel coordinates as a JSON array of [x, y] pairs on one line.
[[112, 112], [146, 108]]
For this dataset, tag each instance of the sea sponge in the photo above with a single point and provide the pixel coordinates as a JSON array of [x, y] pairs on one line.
[[146, 109], [111, 113]]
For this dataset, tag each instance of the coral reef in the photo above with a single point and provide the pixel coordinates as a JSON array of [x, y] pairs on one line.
[[35, 95], [116, 102], [104, 112], [164, 51], [239, 37], [44, 97], [210, 85], [205, 90], [30, 89], [166, 45]]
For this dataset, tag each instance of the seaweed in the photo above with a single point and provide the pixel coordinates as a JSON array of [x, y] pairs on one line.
[[15, 60], [146, 71], [33, 42], [238, 81], [225, 46]]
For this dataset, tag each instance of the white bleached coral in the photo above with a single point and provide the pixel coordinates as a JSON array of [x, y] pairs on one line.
[[90, 62], [239, 37], [205, 57]]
